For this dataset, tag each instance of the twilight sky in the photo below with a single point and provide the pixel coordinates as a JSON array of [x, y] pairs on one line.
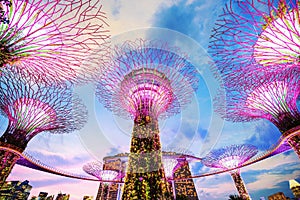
[[186, 24]]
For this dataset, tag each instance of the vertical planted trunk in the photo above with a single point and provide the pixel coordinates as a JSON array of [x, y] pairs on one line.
[[239, 184], [15, 141], [145, 177]]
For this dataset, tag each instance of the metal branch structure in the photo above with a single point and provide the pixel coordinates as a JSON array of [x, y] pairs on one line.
[[258, 35], [149, 80], [266, 95], [33, 108], [231, 157], [55, 41], [105, 176]]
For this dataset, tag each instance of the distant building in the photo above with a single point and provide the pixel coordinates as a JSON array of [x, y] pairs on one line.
[[295, 187], [61, 196], [43, 196], [277, 196], [88, 198], [15, 190]]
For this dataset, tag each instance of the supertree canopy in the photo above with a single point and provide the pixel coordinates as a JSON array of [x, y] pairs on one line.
[[96, 169], [232, 157], [33, 108], [105, 176], [272, 96], [260, 35], [60, 40], [149, 80]]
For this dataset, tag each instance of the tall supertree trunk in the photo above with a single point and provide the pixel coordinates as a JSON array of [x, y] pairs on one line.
[[145, 177], [294, 139], [239, 184], [8, 158]]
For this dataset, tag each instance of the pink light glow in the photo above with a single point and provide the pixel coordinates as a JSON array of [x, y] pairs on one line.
[[279, 43], [230, 162], [148, 91], [107, 175], [270, 98], [169, 165], [55, 41], [256, 35], [29, 114], [147, 77], [230, 156]]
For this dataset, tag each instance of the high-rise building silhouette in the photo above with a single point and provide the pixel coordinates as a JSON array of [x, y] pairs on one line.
[[16, 190], [295, 187], [277, 196]]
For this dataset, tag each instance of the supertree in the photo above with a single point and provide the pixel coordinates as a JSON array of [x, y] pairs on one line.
[[232, 157], [258, 35], [55, 41], [105, 176], [31, 109], [266, 95], [149, 80], [169, 164]]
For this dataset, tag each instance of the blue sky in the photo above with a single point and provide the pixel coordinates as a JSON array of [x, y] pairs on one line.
[[198, 129]]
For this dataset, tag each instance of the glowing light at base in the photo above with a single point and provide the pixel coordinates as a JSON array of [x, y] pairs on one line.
[[34, 114], [55, 41], [32, 108], [270, 98], [169, 165], [107, 175], [231, 157]]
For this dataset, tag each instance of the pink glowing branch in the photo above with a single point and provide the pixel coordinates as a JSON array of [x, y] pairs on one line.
[[230, 157], [270, 95], [257, 35], [148, 78], [32, 108], [96, 169], [55, 41]]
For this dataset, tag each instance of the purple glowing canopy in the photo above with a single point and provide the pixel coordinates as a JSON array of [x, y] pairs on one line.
[[96, 169], [269, 95], [259, 35], [32, 108], [148, 77], [229, 157], [55, 41]]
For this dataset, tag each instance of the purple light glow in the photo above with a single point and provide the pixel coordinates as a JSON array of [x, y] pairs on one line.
[[270, 98], [32, 108], [256, 35], [149, 91], [230, 156], [96, 169], [33, 112], [279, 42], [147, 77], [107, 175], [169, 165], [55, 41], [269, 95]]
